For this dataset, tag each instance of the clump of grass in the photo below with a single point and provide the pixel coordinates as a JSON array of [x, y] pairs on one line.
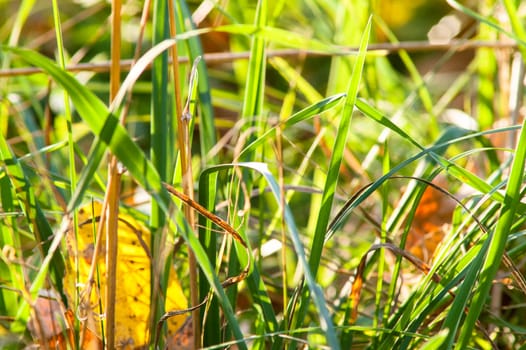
[[313, 158]]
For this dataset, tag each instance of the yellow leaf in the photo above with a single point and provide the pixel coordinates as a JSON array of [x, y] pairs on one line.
[[133, 280]]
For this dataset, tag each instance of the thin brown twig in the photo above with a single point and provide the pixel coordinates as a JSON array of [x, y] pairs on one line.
[[185, 155], [225, 57], [111, 200], [205, 212], [227, 282]]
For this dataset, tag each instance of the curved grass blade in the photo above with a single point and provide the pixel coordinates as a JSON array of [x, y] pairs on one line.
[[114, 136], [230, 280], [365, 192], [315, 290], [451, 136], [254, 281], [204, 262], [333, 174], [255, 77], [207, 194], [336, 158], [207, 135], [103, 124], [456, 5], [496, 245], [305, 114], [38, 225], [516, 24]]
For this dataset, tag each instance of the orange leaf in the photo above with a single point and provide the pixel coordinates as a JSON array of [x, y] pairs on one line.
[[427, 230]]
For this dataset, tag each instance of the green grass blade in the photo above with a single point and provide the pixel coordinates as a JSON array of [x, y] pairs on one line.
[[516, 24], [162, 148], [207, 134], [162, 124], [497, 240], [38, 225], [97, 150], [278, 36], [207, 194], [254, 281], [305, 114], [21, 17], [455, 316], [210, 274], [116, 138], [255, 78], [378, 116], [521, 40], [435, 342], [315, 290], [94, 159], [451, 136], [334, 168], [8, 238], [336, 158], [262, 297], [432, 152], [103, 124]]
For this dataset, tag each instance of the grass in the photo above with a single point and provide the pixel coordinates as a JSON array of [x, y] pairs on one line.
[[288, 200]]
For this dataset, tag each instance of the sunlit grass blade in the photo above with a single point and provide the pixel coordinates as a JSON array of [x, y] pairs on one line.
[[333, 174], [435, 342], [279, 36], [316, 293], [516, 25], [39, 227], [21, 17], [115, 137], [514, 35], [103, 124], [162, 149], [207, 134], [496, 244], [210, 274], [207, 194], [452, 135], [309, 112], [372, 112], [254, 281], [300, 83], [255, 78], [336, 158]]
